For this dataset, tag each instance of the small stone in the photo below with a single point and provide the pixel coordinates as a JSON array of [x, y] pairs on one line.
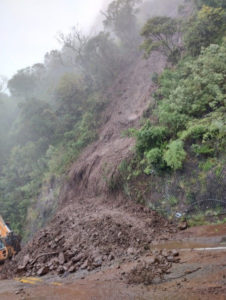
[[175, 253], [130, 251], [173, 259], [182, 225], [61, 258], [111, 257], [60, 270], [72, 269], [43, 271], [165, 253], [78, 258], [84, 265], [98, 261]]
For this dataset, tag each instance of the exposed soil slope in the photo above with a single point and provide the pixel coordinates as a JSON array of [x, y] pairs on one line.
[[93, 228], [129, 96]]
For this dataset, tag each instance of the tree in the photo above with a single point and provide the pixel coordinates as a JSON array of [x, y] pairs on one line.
[[162, 34], [213, 3], [70, 99], [102, 60], [24, 83], [207, 27], [75, 41], [36, 120], [120, 17]]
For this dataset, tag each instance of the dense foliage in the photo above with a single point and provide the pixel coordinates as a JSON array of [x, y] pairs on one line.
[[191, 112], [163, 34], [191, 97]]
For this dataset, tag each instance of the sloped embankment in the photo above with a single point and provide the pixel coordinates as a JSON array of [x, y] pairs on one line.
[[90, 229]]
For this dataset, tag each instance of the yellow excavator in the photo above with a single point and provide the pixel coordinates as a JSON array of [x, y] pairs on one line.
[[9, 242]]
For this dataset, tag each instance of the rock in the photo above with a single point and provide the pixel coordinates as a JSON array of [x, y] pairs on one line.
[[44, 270], [183, 225], [59, 238], [72, 269], [130, 251], [78, 258], [165, 253], [60, 270], [84, 265], [61, 258], [97, 261], [151, 260], [26, 260], [170, 258], [175, 252], [173, 259], [111, 257]]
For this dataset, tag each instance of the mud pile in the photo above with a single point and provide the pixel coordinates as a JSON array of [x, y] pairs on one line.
[[89, 236], [153, 267]]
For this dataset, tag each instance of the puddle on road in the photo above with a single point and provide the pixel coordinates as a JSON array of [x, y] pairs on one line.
[[210, 242], [208, 236]]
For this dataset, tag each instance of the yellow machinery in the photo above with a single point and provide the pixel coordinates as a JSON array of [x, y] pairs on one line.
[[9, 242]]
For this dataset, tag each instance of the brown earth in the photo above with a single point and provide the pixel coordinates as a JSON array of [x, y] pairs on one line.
[[198, 275]]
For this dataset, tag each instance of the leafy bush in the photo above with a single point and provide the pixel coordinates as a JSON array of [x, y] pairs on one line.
[[175, 155], [199, 90], [150, 136]]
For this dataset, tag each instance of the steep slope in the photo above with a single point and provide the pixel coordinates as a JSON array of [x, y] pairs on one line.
[[129, 97], [93, 228]]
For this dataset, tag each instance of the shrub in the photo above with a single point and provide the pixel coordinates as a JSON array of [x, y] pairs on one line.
[[175, 155], [149, 136]]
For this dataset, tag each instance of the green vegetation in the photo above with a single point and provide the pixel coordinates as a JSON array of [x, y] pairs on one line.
[[191, 113], [205, 28], [163, 34], [183, 146]]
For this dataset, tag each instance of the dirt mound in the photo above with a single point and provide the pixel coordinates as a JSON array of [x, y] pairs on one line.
[[83, 237], [152, 267]]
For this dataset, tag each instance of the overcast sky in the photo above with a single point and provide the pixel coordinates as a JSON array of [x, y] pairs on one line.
[[28, 28]]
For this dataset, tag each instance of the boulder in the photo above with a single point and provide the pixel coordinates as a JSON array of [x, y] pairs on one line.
[[43, 271]]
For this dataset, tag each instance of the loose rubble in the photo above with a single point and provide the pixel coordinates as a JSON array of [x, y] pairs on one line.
[[87, 240], [155, 266]]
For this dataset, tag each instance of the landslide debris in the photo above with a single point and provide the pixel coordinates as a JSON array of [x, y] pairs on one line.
[[153, 267], [88, 236]]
